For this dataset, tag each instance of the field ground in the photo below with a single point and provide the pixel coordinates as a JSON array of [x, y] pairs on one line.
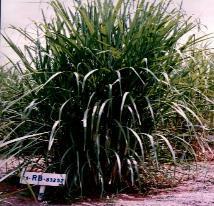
[[195, 189]]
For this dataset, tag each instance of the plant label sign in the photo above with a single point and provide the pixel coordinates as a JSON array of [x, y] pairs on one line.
[[44, 179]]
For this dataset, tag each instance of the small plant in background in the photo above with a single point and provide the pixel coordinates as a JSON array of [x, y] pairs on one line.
[[10, 88], [108, 91]]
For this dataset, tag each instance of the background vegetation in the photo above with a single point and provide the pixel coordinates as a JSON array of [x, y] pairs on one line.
[[106, 91]]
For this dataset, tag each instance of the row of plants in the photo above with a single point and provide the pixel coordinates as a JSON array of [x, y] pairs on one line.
[[108, 90]]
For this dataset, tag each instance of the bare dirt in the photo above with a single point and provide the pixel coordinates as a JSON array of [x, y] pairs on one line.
[[195, 191], [196, 188]]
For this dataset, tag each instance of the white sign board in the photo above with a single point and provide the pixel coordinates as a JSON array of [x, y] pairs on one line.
[[45, 179]]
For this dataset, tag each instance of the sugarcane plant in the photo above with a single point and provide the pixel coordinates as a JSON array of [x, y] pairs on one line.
[[107, 89]]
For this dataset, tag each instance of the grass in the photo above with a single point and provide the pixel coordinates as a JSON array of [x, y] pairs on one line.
[[105, 90]]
